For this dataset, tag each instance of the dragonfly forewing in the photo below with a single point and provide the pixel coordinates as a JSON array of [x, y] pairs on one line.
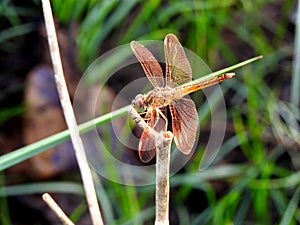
[[178, 69], [149, 64]]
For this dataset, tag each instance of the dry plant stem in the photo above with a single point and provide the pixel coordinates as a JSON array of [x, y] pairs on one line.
[[163, 142], [70, 117], [56, 209], [163, 148], [139, 120]]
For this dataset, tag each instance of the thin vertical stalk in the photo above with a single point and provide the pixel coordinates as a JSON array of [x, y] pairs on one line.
[[70, 117], [295, 95], [163, 148], [163, 142]]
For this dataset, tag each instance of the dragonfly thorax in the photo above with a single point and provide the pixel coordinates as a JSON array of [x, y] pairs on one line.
[[156, 98]]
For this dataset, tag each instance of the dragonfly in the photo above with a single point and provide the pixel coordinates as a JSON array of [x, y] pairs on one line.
[[171, 92]]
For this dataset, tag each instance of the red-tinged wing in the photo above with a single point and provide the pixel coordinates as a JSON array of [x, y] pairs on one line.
[[184, 124], [150, 65], [146, 148], [178, 69]]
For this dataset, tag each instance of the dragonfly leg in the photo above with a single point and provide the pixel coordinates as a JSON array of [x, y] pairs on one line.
[[162, 116]]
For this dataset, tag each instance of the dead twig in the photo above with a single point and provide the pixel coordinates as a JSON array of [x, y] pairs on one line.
[[163, 148], [56, 209], [70, 117], [163, 142]]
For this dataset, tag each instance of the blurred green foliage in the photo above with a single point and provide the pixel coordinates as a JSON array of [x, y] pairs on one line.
[[254, 179]]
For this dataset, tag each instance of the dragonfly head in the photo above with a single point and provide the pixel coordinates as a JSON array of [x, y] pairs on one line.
[[138, 101]]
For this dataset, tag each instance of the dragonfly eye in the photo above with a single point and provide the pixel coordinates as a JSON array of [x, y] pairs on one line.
[[138, 101]]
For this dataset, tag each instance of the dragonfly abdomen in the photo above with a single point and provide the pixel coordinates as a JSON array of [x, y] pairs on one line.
[[195, 86]]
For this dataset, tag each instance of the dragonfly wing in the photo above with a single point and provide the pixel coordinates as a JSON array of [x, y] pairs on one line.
[[184, 124], [178, 69], [146, 148], [150, 65]]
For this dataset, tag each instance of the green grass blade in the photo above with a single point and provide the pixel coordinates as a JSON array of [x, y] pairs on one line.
[[106, 204], [228, 69], [16, 31], [291, 209], [146, 12], [39, 188], [4, 212], [7, 113], [28, 151]]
